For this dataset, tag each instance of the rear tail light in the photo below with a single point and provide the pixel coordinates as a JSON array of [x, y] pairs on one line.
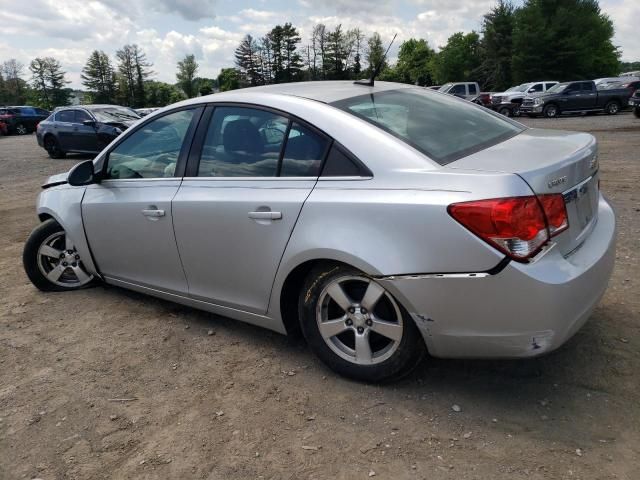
[[517, 226]]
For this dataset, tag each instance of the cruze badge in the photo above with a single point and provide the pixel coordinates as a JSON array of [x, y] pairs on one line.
[[557, 181]]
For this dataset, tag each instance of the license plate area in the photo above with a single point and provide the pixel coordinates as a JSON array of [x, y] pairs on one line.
[[580, 202]]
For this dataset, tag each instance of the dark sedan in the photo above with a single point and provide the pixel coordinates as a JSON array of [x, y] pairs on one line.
[[22, 120], [83, 129]]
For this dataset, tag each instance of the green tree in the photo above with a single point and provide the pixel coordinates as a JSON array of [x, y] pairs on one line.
[[563, 40], [99, 78], [287, 62], [48, 80], [133, 71], [187, 68], [229, 79], [248, 61], [413, 63], [375, 53], [458, 60], [15, 87], [496, 46], [160, 94]]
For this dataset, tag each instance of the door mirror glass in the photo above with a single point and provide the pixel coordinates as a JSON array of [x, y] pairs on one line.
[[82, 174]]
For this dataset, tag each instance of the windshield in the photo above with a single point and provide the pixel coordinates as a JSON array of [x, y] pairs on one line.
[[442, 127], [115, 114], [445, 87], [557, 88], [519, 88]]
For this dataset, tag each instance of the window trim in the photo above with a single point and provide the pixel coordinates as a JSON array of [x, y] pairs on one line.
[[193, 163], [184, 149]]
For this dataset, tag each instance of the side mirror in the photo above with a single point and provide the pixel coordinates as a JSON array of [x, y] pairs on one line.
[[89, 123], [82, 174], [531, 90]]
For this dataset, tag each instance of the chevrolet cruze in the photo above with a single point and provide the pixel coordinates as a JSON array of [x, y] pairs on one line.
[[385, 222]]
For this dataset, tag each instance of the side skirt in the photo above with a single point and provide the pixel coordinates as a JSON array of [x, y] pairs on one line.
[[247, 317]]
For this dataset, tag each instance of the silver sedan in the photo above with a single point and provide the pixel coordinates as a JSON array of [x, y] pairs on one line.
[[382, 221]]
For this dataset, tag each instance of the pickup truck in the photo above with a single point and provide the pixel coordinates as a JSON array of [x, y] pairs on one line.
[[572, 97], [466, 90], [508, 102]]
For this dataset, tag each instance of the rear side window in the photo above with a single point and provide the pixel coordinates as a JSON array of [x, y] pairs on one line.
[[340, 164], [28, 112], [443, 128], [67, 116], [587, 86], [81, 116], [303, 153], [472, 89], [549, 85]]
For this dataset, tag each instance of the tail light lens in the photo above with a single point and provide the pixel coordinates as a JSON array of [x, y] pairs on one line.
[[517, 226]]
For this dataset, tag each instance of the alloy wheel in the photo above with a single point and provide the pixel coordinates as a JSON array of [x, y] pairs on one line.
[[59, 261], [359, 320], [21, 129]]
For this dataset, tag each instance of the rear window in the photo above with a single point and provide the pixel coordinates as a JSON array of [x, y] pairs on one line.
[[442, 127]]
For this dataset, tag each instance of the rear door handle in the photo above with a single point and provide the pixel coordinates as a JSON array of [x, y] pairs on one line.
[[265, 215], [153, 213]]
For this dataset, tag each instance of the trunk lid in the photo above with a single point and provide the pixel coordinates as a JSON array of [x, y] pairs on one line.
[[550, 161]]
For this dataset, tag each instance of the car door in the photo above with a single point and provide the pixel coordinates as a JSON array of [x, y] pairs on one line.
[[589, 95], [571, 98], [236, 209], [63, 128], [127, 216], [84, 137]]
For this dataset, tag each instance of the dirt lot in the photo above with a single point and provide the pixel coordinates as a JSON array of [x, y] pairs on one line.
[[244, 403]]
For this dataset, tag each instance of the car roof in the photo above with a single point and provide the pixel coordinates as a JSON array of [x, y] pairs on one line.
[[321, 91]]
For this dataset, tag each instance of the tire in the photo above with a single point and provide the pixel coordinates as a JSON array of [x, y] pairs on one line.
[[21, 129], [506, 111], [636, 112], [52, 146], [51, 261], [612, 108], [551, 111], [353, 346]]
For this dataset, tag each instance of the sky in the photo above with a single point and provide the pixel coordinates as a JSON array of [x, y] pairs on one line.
[[167, 30]]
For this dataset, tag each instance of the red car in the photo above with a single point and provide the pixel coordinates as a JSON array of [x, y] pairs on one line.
[[4, 130]]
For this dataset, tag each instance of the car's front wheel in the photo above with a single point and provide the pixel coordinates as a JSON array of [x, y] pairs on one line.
[[51, 261], [52, 146], [551, 111], [356, 327]]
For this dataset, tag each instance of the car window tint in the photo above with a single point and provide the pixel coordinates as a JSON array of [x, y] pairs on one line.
[[151, 151], [339, 164], [28, 112], [242, 142], [439, 126], [81, 116], [457, 89], [472, 89], [65, 116], [303, 153], [587, 86], [40, 111], [537, 87]]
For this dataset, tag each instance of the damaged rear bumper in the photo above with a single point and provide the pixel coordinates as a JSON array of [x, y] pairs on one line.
[[524, 310]]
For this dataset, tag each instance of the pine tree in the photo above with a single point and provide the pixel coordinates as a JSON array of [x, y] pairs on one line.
[[187, 68], [375, 53], [287, 62], [98, 76], [496, 46], [133, 70], [49, 82], [247, 61]]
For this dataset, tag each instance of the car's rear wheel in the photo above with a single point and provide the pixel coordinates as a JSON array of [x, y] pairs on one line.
[[52, 262], [52, 146], [506, 111], [636, 112], [21, 129], [551, 111], [356, 327], [612, 108]]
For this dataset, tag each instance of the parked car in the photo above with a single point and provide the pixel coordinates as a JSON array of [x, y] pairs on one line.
[[630, 85], [83, 129], [143, 112], [568, 97], [508, 102], [634, 103], [466, 90], [386, 221], [435, 87], [22, 119], [484, 99]]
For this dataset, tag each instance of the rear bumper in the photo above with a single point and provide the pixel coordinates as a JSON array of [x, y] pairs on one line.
[[523, 311]]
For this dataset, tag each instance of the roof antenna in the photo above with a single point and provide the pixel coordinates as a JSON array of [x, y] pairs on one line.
[[376, 71]]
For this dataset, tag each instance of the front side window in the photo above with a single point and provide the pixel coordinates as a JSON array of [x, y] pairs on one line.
[[537, 87], [152, 151], [242, 142], [66, 116], [457, 90], [443, 128], [82, 116]]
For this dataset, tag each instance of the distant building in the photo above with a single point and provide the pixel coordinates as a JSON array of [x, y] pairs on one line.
[[77, 97]]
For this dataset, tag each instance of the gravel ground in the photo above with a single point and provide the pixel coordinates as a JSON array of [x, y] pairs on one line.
[[214, 399]]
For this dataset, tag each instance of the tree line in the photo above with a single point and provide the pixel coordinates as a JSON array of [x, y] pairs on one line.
[[539, 40], [542, 39], [127, 80]]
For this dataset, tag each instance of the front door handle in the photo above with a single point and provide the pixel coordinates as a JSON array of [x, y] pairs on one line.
[[153, 213], [265, 215]]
